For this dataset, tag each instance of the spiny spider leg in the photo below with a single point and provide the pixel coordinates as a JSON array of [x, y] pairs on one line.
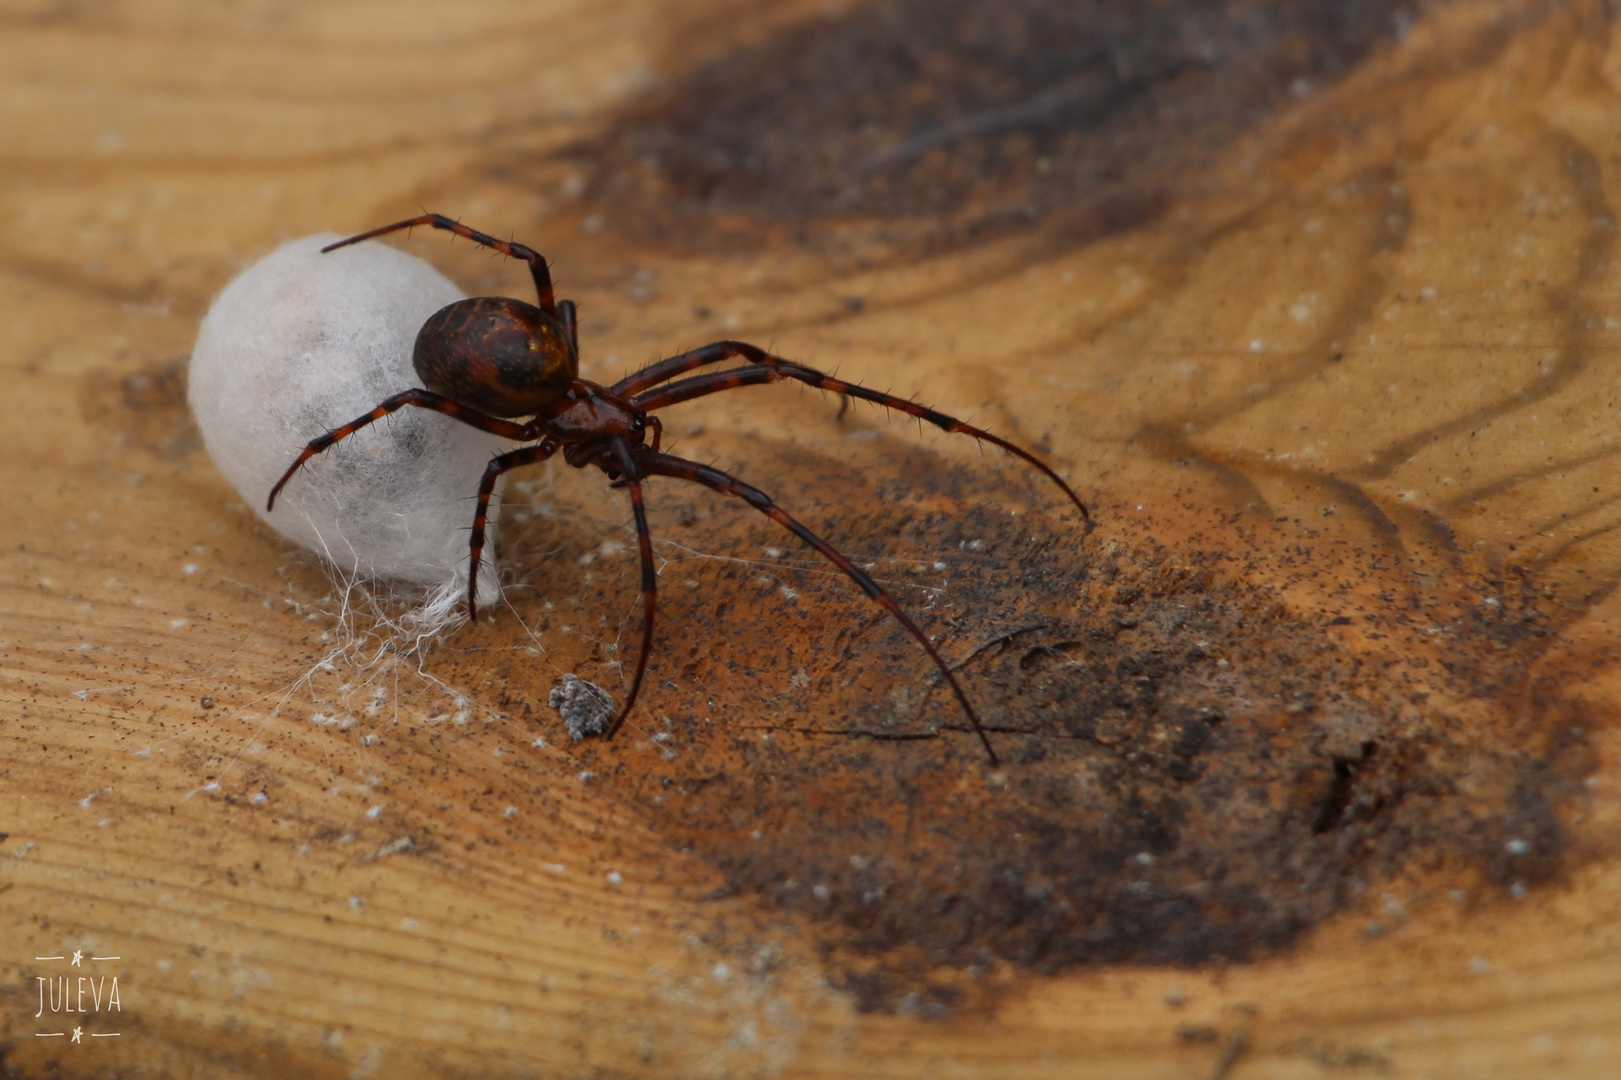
[[664, 370], [423, 399], [537, 262], [528, 455], [569, 317], [630, 467], [771, 370], [652, 464]]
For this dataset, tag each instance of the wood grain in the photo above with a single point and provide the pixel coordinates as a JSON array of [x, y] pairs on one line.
[[1390, 314]]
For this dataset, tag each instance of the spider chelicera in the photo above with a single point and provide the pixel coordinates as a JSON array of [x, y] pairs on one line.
[[489, 359]]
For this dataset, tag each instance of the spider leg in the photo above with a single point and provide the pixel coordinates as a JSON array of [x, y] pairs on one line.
[[537, 262], [424, 399], [569, 317], [664, 370], [652, 464], [631, 473], [770, 370], [667, 369], [499, 464]]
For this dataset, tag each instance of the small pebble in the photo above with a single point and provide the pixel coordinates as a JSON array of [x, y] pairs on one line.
[[586, 707]]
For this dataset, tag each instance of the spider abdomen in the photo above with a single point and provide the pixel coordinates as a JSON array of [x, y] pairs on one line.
[[498, 355]]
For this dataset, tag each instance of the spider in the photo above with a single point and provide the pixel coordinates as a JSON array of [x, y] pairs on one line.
[[490, 360]]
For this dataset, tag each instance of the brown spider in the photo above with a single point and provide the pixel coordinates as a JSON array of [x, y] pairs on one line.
[[487, 359]]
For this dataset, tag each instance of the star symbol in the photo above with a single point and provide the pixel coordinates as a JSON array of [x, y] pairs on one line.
[[77, 956], [76, 1034]]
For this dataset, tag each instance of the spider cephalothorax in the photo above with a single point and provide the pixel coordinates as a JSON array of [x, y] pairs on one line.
[[488, 360]]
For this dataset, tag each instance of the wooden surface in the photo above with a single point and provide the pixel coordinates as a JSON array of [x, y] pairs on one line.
[[1394, 312]]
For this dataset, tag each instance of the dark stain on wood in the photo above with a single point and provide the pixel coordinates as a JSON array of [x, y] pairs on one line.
[[1198, 769], [942, 122]]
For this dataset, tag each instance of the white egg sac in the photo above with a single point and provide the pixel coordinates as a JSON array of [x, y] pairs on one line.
[[301, 343]]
